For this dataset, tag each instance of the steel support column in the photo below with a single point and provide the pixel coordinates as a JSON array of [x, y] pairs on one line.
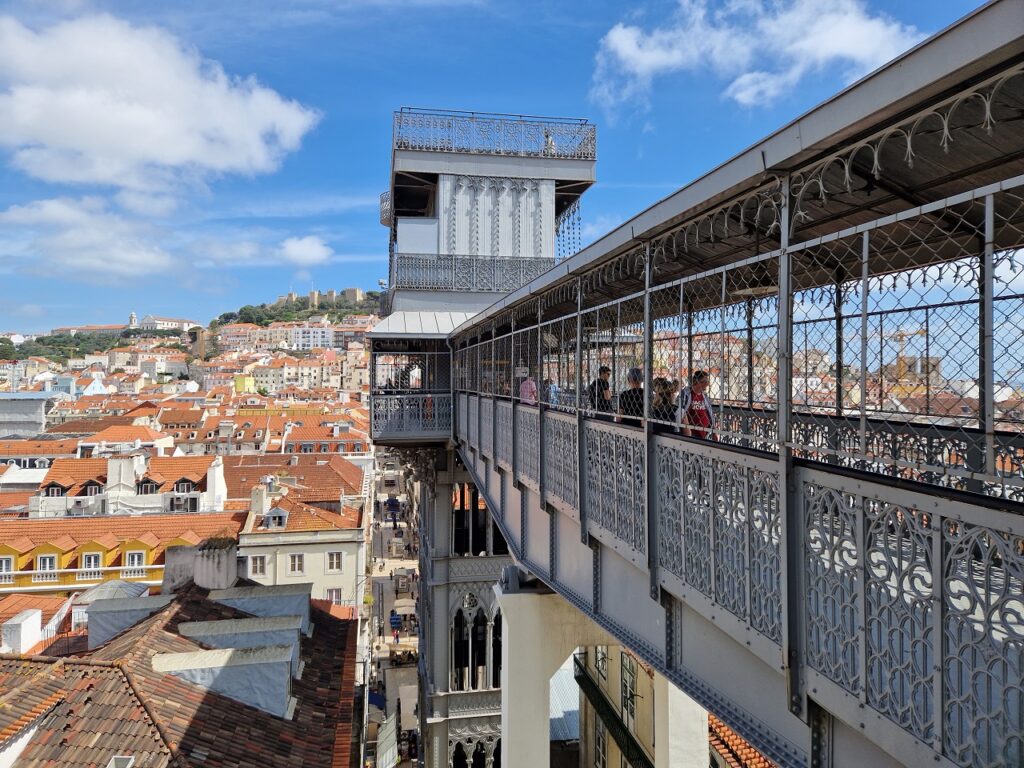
[[650, 503], [581, 446], [790, 545]]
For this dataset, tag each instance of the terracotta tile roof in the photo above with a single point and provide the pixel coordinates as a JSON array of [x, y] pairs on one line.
[[303, 517], [734, 749], [88, 426], [182, 417], [66, 447], [93, 713], [205, 728], [317, 477], [126, 433], [11, 499], [17, 532], [72, 474], [13, 604], [343, 612]]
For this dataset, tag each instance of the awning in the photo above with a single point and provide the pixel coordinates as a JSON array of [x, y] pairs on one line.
[[387, 744], [407, 695], [405, 607]]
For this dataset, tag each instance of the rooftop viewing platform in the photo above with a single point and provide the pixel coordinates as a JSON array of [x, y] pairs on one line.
[[486, 133]]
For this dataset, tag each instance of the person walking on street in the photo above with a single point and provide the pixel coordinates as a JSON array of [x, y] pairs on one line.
[[631, 400], [696, 411], [599, 391]]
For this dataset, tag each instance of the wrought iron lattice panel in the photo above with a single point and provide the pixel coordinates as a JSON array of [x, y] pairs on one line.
[[503, 413], [479, 274], [983, 605], [463, 420], [410, 415], [832, 567], [616, 474], [528, 443], [561, 459], [696, 492], [900, 596], [943, 606], [474, 421], [487, 426]]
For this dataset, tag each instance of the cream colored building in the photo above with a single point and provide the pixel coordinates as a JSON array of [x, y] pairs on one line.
[[286, 541]]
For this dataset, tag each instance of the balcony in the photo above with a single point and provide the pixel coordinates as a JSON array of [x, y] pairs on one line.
[[89, 575], [448, 272], [134, 573], [44, 576], [411, 416], [6, 578], [483, 133]]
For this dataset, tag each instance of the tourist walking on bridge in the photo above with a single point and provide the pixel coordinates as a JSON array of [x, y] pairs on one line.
[[631, 401], [599, 393], [697, 416]]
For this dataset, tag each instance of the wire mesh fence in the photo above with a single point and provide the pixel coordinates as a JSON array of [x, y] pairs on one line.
[[905, 355]]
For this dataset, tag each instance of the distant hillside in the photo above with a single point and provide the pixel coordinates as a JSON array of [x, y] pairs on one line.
[[265, 314], [63, 346]]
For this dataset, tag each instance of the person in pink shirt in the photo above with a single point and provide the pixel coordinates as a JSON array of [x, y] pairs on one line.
[[528, 391]]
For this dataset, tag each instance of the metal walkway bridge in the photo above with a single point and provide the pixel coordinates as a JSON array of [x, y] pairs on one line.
[[838, 572], [842, 566]]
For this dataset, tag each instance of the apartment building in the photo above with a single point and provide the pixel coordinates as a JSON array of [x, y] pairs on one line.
[[72, 553], [133, 484]]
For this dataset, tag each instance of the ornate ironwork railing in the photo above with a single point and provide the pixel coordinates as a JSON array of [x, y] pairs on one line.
[[410, 415], [447, 272], [909, 603], [385, 208], [494, 134]]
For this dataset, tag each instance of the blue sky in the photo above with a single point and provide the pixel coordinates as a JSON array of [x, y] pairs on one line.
[[190, 158]]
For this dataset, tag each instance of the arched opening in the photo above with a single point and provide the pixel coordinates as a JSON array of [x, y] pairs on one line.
[[459, 757], [478, 650], [479, 755], [496, 652], [460, 521], [460, 652]]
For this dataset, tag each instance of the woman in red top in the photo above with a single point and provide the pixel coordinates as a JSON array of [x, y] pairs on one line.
[[697, 414]]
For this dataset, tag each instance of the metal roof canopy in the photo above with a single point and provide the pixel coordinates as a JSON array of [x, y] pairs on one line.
[[967, 53], [419, 325]]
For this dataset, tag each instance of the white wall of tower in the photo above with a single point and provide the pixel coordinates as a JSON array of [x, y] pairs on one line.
[[494, 216]]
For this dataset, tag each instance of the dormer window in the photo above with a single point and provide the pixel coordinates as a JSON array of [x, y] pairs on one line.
[[146, 488], [184, 486], [54, 491], [93, 489]]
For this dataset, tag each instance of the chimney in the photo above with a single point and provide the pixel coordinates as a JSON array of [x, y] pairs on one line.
[[23, 631], [179, 567], [259, 499], [216, 563], [259, 677]]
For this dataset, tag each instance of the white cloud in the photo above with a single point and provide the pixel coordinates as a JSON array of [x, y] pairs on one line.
[[97, 100], [592, 229], [760, 48], [305, 251], [79, 238]]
